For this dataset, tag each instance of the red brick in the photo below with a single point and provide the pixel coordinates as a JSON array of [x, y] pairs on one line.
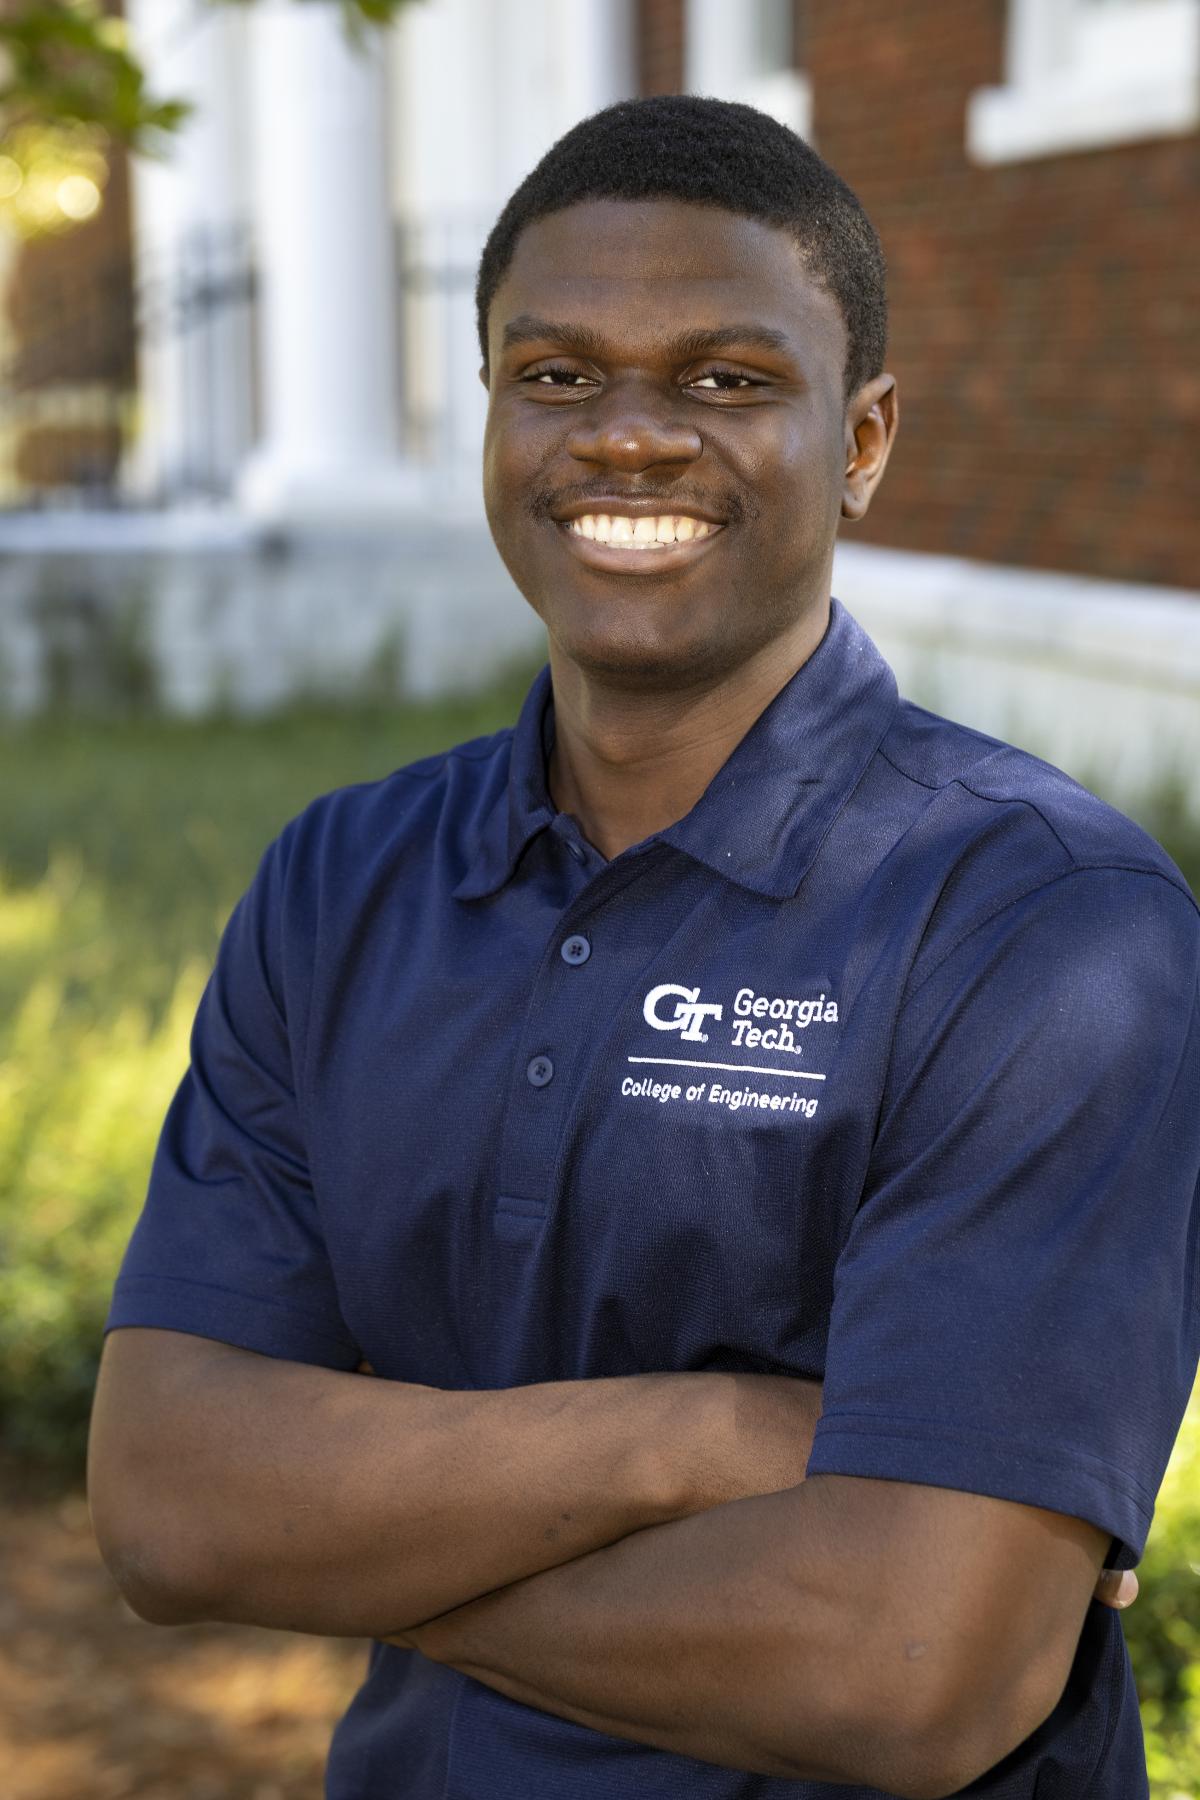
[[1042, 313]]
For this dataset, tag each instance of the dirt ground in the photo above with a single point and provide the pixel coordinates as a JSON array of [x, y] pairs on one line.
[[96, 1705]]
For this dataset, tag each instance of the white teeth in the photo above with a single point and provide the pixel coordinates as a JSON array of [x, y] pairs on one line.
[[642, 533]]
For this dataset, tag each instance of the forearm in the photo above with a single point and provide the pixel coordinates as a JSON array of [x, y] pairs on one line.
[[275, 1493], [687, 1636], [768, 1635]]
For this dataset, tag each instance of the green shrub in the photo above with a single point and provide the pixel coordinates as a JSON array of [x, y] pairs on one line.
[[126, 845], [81, 1102], [1163, 1628]]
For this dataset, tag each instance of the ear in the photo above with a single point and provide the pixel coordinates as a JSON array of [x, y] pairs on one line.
[[872, 419], [483, 373]]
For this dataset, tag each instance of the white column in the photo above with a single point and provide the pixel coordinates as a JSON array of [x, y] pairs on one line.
[[728, 54], [190, 218], [327, 319], [524, 72]]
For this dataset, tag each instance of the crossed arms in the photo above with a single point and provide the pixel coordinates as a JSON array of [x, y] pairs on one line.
[[642, 1555]]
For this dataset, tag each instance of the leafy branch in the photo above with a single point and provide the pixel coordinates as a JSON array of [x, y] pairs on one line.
[[68, 63]]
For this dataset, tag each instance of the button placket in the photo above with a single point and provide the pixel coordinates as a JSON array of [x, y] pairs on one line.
[[533, 1120], [566, 1015], [554, 1047]]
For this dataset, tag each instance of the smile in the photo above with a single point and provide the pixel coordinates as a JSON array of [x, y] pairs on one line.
[[610, 540], [618, 528]]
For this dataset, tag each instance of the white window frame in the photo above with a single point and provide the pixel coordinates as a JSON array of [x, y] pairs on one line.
[[1083, 76], [722, 58]]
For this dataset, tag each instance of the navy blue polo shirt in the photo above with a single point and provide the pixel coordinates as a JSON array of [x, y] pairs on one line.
[[880, 1067]]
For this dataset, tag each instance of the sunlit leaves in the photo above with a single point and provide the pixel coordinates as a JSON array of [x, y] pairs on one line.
[[51, 176], [71, 85], [66, 64]]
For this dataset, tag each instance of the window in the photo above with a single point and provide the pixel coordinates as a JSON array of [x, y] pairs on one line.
[[1083, 74], [746, 50]]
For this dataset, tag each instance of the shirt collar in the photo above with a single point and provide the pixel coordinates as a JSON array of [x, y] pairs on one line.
[[762, 818], [524, 807]]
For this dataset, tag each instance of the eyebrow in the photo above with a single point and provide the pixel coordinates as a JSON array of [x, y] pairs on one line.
[[581, 340]]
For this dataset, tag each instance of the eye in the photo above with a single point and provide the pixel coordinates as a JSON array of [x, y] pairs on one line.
[[724, 381], [566, 380], [555, 375]]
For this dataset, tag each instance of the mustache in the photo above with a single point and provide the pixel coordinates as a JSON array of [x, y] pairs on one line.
[[544, 502]]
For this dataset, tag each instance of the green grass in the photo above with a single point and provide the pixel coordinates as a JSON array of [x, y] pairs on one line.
[[141, 834], [124, 847]]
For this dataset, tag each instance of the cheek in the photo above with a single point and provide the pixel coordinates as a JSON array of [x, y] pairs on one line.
[[494, 461], [805, 481], [785, 448], [505, 492], [514, 469]]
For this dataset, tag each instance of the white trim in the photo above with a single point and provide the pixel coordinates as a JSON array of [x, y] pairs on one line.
[[1085, 74], [723, 57], [1100, 677]]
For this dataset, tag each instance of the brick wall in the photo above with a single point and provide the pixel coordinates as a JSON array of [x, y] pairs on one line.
[[659, 27], [1043, 313]]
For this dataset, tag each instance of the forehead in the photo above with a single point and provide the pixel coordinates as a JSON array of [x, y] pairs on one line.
[[643, 271]]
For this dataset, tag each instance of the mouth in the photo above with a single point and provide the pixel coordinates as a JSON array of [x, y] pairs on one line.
[[639, 544]]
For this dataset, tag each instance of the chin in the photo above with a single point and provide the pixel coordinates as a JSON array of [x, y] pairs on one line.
[[646, 667]]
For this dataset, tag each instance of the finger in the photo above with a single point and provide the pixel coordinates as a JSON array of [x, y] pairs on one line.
[[1117, 1588]]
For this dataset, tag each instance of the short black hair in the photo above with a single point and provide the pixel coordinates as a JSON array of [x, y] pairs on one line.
[[715, 153]]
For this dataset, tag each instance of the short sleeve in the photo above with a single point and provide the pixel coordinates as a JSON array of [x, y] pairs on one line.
[[1015, 1306], [229, 1244]]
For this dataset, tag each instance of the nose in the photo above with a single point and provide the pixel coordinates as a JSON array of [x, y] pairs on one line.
[[631, 428]]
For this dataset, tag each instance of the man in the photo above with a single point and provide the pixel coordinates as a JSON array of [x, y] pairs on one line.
[[748, 1123]]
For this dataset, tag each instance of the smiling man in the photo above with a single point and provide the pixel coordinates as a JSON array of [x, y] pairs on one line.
[[748, 1124]]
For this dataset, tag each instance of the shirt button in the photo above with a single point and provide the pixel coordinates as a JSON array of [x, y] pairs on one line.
[[575, 950], [575, 849], [540, 1071]]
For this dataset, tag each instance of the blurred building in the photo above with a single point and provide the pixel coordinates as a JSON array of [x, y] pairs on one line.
[[306, 362]]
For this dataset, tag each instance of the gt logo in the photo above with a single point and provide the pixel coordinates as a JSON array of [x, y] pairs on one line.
[[690, 1011]]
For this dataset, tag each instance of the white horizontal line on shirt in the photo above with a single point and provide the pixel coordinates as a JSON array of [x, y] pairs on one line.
[[683, 1062]]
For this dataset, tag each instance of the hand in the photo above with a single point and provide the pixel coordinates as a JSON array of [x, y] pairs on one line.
[[1117, 1588]]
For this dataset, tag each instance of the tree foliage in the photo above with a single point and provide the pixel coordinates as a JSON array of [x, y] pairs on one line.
[[72, 87], [68, 63]]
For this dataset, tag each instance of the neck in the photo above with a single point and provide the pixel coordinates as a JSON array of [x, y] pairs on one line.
[[629, 762]]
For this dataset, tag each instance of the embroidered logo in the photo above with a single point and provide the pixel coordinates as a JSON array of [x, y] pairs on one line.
[[689, 1014], [786, 1019]]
